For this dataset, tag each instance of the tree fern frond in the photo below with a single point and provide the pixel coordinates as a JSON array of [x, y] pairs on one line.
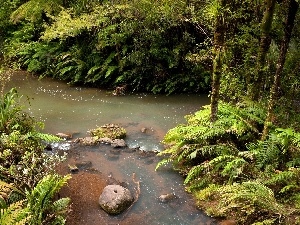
[[194, 173], [247, 155], [42, 137], [173, 149], [163, 162], [290, 188], [266, 153], [283, 178], [60, 205], [295, 162], [220, 162], [200, 184], [234, 168]]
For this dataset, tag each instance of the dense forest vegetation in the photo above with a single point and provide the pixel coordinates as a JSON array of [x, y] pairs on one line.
[[240, 155]]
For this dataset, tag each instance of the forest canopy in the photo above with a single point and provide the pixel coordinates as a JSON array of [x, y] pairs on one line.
[[157, 46]]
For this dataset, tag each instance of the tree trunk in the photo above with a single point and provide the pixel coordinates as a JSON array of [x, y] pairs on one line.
[[288, 28], [217, 62], [255, 86]]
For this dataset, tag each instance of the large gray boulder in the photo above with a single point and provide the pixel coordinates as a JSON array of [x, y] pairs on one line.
[[115, 199]]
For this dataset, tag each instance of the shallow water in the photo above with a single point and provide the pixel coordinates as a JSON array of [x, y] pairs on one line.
[[76, 110]]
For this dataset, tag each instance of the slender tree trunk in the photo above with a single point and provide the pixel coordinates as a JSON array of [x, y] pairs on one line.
[[217, 62], [265, 41], [288, 28]]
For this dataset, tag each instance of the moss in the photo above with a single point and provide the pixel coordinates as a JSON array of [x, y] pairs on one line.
[[111, 131]]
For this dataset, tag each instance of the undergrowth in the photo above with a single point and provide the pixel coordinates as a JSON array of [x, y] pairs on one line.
[[227, 166], [28, 182]]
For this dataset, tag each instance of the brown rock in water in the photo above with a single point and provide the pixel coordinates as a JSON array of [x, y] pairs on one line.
[[166, 198], [64, 136], [115, 199], [105, 140], [88, 141], [73, 168], [118, 143]]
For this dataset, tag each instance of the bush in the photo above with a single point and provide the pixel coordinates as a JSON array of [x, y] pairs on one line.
[[28, 182]]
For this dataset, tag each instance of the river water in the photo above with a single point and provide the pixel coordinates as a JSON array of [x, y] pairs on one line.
[[75, 110]]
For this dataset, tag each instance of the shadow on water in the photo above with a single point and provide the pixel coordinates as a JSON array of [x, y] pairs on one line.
[[76, 110]]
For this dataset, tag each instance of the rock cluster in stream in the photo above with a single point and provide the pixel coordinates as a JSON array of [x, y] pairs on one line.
[[107, 134], [112, 131]]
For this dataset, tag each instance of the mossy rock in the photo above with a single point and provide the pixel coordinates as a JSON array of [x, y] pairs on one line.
[[111, 131]]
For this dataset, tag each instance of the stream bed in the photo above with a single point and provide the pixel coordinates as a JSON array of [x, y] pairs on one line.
[[76, 110]]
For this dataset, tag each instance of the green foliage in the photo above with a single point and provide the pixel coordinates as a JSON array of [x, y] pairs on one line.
[[32, 10], [110, 44], [252, 199], [23, 160], [14, 214], [40, 204], [266, 222], [11, 117], [163, 162], [165, 47], [247, 202], [12, 205], [36, 206], [7, 7], [225, 162], [27, 179], [199, 140]]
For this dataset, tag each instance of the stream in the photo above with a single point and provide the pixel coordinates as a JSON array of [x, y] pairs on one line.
[[75, 110]]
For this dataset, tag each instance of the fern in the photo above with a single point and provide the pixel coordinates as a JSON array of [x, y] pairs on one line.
[[234, 169], [15, 213], [33, 9], [8, 109], [44, 137], [249, 200], [208, 193], [199, 184], [195, 172], [163, 163], [221, 148], [12, 210], [40, 199]]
